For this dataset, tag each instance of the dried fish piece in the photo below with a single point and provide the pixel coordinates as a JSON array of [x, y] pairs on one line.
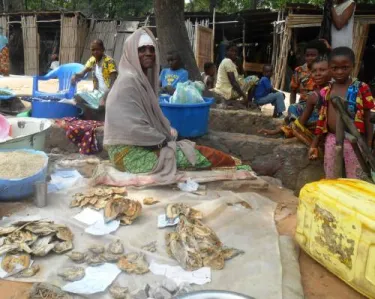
[[20, 237], [64, 233], [61, 247], [41, 228], [229, 253], [95, 259], [114, 208], [29, 272], [45, 290], [133, 263], [116, 247], [97, 249], [74, 203], [8, 247], [214, 261], [111, 258], [42, 246], [150, 201], [12, 263], [7, 230], [77, 257], [175, 210], [119, 190], [150, 247], [118, 292], [72, 273]]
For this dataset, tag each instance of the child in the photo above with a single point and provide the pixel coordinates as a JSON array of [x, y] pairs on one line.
[[169, 77], [54, 62], [302, 81], [265, 94], [303, 127], [208, 75], [360, 102]]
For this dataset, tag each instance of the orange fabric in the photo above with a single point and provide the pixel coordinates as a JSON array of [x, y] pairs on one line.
[[217, 158], [4, 61]]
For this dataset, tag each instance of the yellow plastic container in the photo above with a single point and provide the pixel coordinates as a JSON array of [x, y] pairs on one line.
[[336, 227]]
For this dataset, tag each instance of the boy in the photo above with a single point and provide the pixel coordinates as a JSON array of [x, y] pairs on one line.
[[54, 62], [360, 103], [104, 72], [169, 77], [302, 81], [265, 94], [208, 75]]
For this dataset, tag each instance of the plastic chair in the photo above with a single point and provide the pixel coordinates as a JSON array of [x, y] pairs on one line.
[[64, 74]]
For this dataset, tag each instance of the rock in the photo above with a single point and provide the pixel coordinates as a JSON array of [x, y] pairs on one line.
[[169, 285], [258, 184], [272, 181]]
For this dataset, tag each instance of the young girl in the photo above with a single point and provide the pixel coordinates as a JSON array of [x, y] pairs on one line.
[[360, 102], [303, 127]]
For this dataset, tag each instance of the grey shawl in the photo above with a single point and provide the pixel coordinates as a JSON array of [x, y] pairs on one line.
[[133, 114]]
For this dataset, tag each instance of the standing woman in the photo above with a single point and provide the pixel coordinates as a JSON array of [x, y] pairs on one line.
[[342, 23], [137, 136]]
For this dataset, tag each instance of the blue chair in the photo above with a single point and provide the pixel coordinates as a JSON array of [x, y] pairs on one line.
[[64, 74]]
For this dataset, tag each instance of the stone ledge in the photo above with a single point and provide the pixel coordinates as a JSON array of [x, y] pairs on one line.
[[241, 121]]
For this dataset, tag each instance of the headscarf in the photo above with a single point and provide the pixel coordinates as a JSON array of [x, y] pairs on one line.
[[133, 114]]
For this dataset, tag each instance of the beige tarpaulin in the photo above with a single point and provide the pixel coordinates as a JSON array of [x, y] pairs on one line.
[[257, 273]]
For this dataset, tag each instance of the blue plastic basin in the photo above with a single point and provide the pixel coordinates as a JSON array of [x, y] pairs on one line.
[[190, 120], [52, 109], [13, 189]]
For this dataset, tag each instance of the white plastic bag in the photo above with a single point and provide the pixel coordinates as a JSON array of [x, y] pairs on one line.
[[187, 93]]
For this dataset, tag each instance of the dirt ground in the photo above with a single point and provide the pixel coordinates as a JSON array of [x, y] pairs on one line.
[[318, 283]]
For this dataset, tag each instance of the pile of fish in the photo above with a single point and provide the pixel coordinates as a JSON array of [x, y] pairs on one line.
[[97, 255], [24, 238], [194, 244], [112, 200]]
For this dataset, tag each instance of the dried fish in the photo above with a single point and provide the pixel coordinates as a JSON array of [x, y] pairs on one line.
[[8, 247], [72, 273], [7, 230], [116, 247], [40, 228], [11, 263], [97, 249], [45, 291], [42, 246], [229, 253], [20, 237], [64, 233], [29, 272], [77, 257], [111, 258], [177, 209], [150, 247], [150, 201], [125, 209], [118, 292], [95, 259], [61, 247], [133, 263]]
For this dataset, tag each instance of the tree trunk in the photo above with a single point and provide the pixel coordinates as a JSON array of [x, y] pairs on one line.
[[172, 34]]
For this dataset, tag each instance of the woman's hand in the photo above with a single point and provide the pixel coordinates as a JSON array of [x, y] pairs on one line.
[[174, 133], [313, 153]]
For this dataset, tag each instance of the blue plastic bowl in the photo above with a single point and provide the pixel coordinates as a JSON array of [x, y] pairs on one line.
[[190, 120], [14, 189], [9, 96], [52, 109]]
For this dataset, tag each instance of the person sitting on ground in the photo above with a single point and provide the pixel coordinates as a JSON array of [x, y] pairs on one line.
[[360, 103], [302, 81], [266, 94], [303, 127], [137, 136], [229, 84], [209, 74], [104, 73], [342, 23], [4, 56], [54, 62], [169, 77]]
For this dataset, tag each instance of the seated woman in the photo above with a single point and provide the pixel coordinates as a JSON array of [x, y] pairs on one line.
[[104, 73], [305, 124], [169, 77], [138, 137], [230, 84]]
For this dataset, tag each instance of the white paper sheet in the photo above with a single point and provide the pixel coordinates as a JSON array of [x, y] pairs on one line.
[[180, 276], [62, 179], [188, 186], [88, 216], [100, 228], [96, 280], [163, 221]]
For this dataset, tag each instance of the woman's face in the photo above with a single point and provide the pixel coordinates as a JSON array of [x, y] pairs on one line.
[[232, 53], [146, 56]]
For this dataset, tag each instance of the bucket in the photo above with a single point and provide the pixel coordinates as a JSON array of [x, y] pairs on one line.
[[52, 109]]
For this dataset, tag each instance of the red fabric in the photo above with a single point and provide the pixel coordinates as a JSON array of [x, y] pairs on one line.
[[217, 158]]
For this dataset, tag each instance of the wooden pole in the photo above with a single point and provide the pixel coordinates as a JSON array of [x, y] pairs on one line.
[[243, 44], [213, 34]]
